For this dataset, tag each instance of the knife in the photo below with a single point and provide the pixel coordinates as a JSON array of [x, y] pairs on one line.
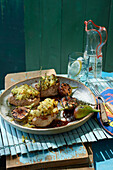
[[103, 114]]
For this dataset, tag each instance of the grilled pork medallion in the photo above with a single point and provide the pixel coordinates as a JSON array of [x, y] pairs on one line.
[[45, 113], [24, 96], [48, 86]]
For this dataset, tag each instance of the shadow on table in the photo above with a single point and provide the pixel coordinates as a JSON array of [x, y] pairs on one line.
[[2, 162], [103, 154]]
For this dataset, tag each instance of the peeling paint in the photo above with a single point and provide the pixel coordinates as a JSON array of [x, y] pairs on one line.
[[12, 80], [64, 153], [48, 157]]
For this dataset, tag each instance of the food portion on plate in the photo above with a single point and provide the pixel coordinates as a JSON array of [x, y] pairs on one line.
[[69, 103], [24, 95], [45, 113], [48, 86], [83, 110], [65, 89], [20, 113], [42, 104]]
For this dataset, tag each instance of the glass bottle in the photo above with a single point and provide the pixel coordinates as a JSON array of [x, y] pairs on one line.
[[96, 38]]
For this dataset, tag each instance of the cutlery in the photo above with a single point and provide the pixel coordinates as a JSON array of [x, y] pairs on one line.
[[103, 114], [109, 106]]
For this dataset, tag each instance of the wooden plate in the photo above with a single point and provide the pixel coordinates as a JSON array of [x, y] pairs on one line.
[[82, 93]]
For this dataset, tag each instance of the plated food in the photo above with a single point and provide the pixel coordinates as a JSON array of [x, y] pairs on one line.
[[46, 104], [48, 86], [24, 95], [44, 109]]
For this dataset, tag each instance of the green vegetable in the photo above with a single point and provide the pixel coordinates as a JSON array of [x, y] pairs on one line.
[[83, 110]]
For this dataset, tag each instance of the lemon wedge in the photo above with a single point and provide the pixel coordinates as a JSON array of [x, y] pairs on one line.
[[76, 68]]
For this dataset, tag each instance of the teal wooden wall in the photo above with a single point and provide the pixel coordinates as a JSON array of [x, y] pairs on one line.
[[12, 41], [54, 28], [35, 33]]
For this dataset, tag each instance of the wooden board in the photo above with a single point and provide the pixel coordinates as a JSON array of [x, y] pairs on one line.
[[10, 79], [65, 156]]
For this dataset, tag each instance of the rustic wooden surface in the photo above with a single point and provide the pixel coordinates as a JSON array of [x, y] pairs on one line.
[[65, 156]]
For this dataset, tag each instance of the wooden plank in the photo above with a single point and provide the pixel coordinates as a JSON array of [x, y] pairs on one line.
[[81, 134], [109, 57], [33, 34], [93, 139], [53, 143], [12, 45], [10, 79], [95, 10], [103, 154], [74, 155], [90, 153], [15, 139], [95, 130], [28, 142], [10, 139], [42, 34], [51, 34], [1, 146], [73, 13], [4, 137], [21, 143], [76, 136]]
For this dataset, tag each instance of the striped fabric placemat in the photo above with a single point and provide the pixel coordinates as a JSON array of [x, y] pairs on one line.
[[14, 141], [11, 139]]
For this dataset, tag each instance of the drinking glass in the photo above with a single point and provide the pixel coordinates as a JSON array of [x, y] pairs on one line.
[[78, 66]]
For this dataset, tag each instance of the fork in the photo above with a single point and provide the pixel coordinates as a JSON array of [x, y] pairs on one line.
[[103, 114]]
